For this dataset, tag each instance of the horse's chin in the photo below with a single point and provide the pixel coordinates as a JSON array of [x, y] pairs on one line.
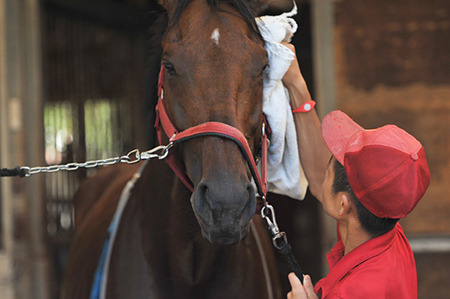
[[223, 223], [225, 238]]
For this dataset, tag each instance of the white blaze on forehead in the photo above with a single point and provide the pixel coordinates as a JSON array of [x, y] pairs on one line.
[[215, 36]]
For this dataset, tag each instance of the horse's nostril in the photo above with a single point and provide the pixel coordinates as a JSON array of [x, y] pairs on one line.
[[203, 192], [203, 188]]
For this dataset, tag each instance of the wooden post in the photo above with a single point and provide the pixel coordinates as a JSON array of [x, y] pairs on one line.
[[324, 77], [6, 188], [24, 266]]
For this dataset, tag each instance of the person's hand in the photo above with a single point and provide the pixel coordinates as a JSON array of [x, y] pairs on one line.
[[294, 81], [299, 291]]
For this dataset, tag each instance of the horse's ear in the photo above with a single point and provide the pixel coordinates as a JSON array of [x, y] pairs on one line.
[[168, 5], [260, 6]]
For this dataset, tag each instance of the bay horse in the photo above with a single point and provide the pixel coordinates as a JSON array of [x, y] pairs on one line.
[[171, 242]]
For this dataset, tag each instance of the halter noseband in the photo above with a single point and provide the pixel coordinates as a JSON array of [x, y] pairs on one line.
[[217, 129]]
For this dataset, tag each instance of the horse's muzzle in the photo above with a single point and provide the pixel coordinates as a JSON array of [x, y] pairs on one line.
[[224, 211]]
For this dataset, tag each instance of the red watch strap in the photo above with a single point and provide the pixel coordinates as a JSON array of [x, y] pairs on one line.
[[305, 107]]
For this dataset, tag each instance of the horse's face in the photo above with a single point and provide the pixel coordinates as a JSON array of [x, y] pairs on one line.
[[214, 65]]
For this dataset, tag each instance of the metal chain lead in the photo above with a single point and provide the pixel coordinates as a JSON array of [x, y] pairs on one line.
[[132, 157]]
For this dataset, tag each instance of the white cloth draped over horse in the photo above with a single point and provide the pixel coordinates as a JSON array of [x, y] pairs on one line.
[[284, 172]]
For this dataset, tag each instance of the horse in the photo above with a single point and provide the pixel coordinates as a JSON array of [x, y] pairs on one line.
[[174, 241]]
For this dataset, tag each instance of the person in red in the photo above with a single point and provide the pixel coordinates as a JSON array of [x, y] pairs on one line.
[[374, 178]]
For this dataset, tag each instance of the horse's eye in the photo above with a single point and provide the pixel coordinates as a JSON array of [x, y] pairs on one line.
[[170, 69], [263, 71]]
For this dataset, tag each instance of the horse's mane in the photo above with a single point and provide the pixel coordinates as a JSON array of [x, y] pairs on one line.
[[246, 8]]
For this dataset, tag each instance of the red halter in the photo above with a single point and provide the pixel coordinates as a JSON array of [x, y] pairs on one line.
[[207, 129]]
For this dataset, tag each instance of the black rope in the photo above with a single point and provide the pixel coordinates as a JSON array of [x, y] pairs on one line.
[[280, 242], [288, 257], [12, 172]]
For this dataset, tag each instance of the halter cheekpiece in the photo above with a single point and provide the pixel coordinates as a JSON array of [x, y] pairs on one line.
[[212, 128]]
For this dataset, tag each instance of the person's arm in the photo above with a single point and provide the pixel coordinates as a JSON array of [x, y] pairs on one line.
[[314, 154]]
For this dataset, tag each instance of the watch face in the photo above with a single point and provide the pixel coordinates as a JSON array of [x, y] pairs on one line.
[[307, 107]]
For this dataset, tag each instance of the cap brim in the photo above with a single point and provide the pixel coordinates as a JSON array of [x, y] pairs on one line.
[[337, 129]]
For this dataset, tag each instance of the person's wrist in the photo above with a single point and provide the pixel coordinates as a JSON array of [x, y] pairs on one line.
[[304, 107], [299, 94]]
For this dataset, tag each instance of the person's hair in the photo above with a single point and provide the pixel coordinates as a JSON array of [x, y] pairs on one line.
[[372, 224]]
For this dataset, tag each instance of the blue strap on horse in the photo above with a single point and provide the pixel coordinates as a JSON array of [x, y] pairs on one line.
[[98, 288], [99, 272]]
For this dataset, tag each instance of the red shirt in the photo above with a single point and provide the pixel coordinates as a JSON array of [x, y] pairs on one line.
[[382, 267]]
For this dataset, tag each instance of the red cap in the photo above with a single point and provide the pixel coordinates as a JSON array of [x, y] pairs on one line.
[[386, 167]]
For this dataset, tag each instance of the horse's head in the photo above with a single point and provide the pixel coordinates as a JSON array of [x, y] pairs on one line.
[[214, 60]]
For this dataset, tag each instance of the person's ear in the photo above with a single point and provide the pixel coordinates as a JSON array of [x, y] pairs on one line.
[[344, 204]]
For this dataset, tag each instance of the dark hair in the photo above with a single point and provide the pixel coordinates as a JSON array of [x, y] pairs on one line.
[[245, 8], [372, 224]]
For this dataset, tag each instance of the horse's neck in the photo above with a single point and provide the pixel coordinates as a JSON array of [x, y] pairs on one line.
[[159, 240], [171, 230]]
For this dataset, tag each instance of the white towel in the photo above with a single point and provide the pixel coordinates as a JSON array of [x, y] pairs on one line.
[[284, 172]]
